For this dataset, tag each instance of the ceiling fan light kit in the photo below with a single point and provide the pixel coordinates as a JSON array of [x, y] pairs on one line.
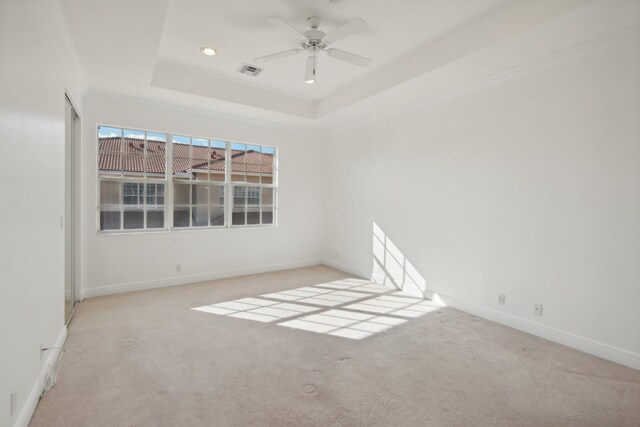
[[315, 41], [310, 70]]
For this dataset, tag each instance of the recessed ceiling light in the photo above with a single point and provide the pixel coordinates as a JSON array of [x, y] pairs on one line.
[[310, 81], [209, 51]]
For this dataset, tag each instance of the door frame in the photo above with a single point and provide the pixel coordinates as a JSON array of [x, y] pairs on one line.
[[72, 133]]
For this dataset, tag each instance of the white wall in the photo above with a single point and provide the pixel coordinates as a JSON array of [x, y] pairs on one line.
[[529, 187], [123, 262], [33, 77]]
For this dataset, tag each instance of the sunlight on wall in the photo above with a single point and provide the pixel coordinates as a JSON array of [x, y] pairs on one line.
[[348, 308], [392, 268]]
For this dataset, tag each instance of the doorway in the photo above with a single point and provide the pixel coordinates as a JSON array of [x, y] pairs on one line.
[[71, 131]]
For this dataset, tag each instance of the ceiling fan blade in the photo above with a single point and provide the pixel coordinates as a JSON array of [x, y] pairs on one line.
[[347, 29], [310, 70], [277, 55], [286, 27], [349, 57]]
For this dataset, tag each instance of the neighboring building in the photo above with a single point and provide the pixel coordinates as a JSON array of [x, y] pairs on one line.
[[126, 156]]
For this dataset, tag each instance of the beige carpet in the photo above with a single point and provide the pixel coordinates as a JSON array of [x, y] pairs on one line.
[[147, 359]]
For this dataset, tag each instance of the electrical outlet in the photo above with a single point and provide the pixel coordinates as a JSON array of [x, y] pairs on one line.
[[178, 268], [502, 298], [537, 309], [13, 401]]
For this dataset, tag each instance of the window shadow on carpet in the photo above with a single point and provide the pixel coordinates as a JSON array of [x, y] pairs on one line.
[[348, 308]]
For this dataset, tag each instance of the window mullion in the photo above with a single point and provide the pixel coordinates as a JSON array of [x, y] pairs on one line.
[[121, 207], [168, 188], [228, 187], [144, 186], [121, 167], [191, 179], [260, 201], [275, 168], [144, 206]]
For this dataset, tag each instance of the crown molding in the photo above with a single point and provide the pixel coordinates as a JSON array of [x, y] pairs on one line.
[[627, 35]]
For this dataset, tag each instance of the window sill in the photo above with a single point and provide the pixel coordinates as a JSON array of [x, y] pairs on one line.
[[180, 230]]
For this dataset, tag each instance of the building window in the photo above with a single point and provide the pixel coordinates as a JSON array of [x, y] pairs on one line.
[[133, 178], [132, 193]]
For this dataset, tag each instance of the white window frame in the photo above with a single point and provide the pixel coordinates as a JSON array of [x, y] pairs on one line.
[[190, 183], [233, 184], [121, 180], [169, 182]]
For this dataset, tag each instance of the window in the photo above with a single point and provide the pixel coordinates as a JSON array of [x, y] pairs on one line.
[[134, 182], [198, 205], [252, 176], [199, 177], [132, 176], [252, 205]]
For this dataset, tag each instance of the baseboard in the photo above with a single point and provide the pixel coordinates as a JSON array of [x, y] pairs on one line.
[[30, 403], [343, 267], [194, 278], [568, 339]]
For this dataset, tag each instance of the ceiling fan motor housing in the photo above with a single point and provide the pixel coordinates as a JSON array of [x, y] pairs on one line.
[[313, 41], [314, 22], [314, 36]]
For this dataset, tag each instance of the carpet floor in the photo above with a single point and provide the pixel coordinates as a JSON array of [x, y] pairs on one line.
[[314, 347]]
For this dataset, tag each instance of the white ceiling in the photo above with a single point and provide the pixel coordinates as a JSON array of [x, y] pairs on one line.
[[149, 49], [240, 32]]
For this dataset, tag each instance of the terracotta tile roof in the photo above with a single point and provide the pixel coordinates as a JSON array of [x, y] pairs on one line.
[[202, 160]]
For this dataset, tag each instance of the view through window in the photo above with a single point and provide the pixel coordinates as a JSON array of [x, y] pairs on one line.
[[135, 189]]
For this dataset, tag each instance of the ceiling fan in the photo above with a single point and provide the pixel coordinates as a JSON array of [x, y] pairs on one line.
[[315, 41]]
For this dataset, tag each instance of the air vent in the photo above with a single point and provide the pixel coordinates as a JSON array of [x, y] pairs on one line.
[[249, 70]]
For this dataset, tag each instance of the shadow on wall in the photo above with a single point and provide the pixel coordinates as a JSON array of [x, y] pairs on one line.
[[392, 268]]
